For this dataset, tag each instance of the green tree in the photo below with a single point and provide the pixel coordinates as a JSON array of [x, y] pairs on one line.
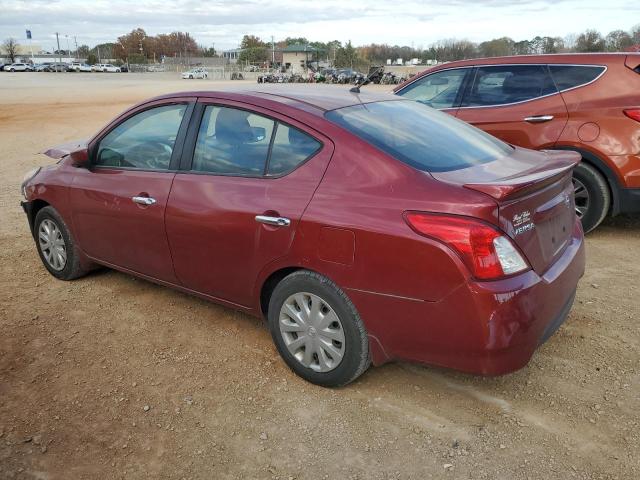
[[92, 59], [498, 47], [346, 56], [618, 41], [590, 41], [254, 50]]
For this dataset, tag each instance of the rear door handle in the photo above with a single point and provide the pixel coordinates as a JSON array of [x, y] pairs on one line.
[[143, 200], [275, 221], [538, 118]]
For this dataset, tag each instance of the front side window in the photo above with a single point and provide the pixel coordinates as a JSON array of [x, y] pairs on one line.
[[438, 90], [232, 142], [571, 76], [420, 136], [503, 85], [143, 141]]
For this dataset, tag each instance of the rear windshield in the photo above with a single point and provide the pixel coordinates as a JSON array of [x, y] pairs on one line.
[[420, 136]]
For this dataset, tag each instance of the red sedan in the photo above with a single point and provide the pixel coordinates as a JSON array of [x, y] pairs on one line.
[[365, 228]]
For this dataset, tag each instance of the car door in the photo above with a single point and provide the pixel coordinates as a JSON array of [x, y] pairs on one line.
[[518, 103], [119, 202], [441, 89], [248, 174]]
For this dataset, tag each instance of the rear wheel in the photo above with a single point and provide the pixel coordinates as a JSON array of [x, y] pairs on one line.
[[317, 330], [56, 246], [592, 196]]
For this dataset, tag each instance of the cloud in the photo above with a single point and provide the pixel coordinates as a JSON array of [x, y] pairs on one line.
[[381, 21]]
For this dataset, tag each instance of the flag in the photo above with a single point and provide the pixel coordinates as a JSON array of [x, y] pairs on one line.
[[28, 34]]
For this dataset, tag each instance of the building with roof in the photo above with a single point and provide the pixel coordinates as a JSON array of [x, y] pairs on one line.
[[296, 58]]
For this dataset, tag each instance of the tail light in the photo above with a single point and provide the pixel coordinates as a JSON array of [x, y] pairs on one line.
[[634, 114], [487, 252]]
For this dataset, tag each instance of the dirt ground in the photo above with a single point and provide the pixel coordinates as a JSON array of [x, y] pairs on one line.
[[113, 377]]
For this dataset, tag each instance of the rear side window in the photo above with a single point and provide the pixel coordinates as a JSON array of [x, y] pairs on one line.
[[291, 147], [420, 136], [438, 90], [571, 76], [503, 85], [232, 142]]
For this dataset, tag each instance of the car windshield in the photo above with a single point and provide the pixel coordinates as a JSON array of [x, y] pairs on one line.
[[420, 136]]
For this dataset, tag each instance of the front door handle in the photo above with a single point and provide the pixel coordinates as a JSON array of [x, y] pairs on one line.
[[538, 118], [143, 200], [275, 221]]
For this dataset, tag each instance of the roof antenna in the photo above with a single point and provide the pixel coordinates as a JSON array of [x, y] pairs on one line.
[[356, 88]]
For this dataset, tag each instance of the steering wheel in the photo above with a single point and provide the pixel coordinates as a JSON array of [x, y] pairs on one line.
[[152, 154]]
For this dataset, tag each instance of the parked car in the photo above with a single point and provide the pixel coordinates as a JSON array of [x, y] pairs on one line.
[[365, 228], [79, 67], [57, 67], [41, 67], [587, 103], [18, 67], [195, 73], [106, 68]]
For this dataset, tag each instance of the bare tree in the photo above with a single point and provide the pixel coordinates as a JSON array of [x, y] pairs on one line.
[[10, 47]]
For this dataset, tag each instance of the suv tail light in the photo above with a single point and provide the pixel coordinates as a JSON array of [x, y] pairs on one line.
[[634, 114], [487, 252]]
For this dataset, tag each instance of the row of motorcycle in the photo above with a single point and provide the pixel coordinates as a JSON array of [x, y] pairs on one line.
[[331, 75]]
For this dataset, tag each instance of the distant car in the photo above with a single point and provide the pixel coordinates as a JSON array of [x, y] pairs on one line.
[[57, 67], [587, 103], [195, 73], [79, 67], [365, 228], [107, 68], [41, 67], [18, 67], [124, 68]]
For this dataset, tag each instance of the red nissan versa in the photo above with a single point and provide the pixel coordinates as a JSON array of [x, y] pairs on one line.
[[587, 103], [365, 227]]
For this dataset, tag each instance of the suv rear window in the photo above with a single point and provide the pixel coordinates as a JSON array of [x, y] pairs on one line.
[[571, 76], [419, 136]]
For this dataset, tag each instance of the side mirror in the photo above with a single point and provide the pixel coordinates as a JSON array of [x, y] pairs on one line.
[[80, 158], [259, 134]]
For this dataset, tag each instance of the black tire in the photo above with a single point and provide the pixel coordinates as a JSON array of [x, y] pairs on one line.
[[73, 267], [595, 199], [356, 358]]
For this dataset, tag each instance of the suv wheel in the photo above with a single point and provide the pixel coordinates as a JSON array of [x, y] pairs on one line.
[[56, 246], [317, 330], [592, 196]]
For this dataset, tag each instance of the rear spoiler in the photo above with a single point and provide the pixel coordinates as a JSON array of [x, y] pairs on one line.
[[511, 187]]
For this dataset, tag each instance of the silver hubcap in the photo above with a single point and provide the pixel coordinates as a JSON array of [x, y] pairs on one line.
[[581, 198], [52, 244], [312, 331]]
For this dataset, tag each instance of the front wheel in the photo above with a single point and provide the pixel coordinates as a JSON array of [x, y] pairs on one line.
[[317, 330], [56, 246], [592, 196]]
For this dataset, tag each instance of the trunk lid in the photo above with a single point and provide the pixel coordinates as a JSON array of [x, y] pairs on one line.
[[534, 194]]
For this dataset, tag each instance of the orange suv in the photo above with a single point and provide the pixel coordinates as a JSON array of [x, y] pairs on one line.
[[588, 103]]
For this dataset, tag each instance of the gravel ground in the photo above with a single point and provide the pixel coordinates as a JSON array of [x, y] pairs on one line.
[[113, 377]]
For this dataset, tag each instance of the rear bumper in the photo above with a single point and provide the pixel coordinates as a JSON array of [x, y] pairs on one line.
[[487, 328]]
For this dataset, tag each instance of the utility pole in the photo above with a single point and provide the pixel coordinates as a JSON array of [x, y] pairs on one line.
[[68, 48], [273, 53], [75, 40], [99, 59], [58, 42]]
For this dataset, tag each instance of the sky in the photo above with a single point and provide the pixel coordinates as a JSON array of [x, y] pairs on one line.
[[222, 23]]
